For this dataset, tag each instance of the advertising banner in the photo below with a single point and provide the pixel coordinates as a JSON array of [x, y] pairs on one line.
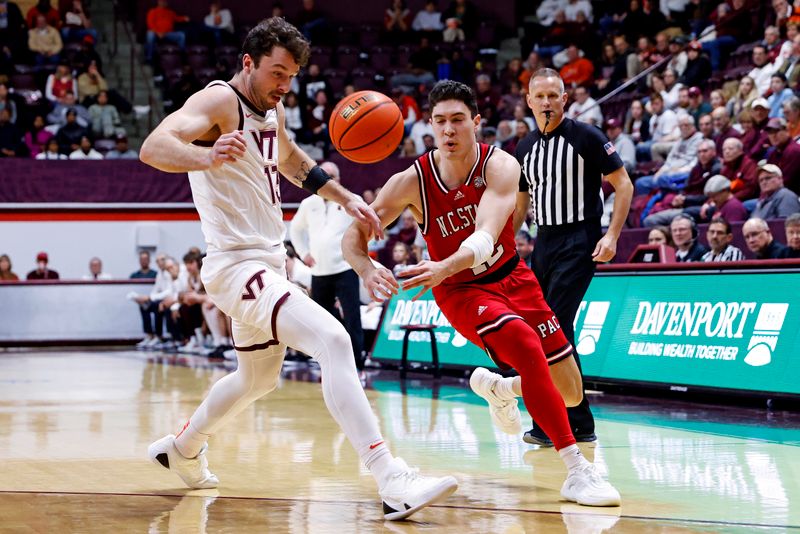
[[736, 331]]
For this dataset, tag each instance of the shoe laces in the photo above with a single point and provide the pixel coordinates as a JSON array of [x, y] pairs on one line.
[[593, 475], [410, 474]]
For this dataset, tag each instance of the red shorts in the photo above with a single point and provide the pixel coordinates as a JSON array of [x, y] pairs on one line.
[[476, 310]]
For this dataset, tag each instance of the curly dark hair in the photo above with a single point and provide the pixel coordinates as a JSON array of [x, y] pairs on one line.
[[451, 90], [270, 33]]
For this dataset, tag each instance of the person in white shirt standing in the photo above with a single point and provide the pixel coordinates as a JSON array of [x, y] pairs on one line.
[[585, 108], [316, 231]]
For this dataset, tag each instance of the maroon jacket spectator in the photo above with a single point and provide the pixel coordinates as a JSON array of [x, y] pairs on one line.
[[44, 8], [722, 125], [785, 153], [739, 169], [727, 206], [42, 272]]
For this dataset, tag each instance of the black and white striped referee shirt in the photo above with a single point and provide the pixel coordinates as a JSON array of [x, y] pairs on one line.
[[563, 172]]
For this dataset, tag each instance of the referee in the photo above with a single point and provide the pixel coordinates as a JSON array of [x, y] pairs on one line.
[[563, 165]]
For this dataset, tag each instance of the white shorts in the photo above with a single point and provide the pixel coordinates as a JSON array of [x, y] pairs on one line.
[[250, 292]]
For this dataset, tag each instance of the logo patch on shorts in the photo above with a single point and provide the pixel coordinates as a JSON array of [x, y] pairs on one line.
[[481, 309]]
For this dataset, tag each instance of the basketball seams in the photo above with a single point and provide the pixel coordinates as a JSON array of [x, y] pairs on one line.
[[384, 134], [370, 138], [359, 119]]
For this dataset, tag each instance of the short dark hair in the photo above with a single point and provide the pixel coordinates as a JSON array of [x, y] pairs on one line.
[[547, 72], [452, 90], [190, 257], [723, 222], [272, 32]]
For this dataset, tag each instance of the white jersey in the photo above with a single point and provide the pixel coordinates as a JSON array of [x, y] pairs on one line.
[[240, 203]]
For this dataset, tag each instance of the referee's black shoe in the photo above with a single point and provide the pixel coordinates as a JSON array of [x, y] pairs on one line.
[[535, 436]]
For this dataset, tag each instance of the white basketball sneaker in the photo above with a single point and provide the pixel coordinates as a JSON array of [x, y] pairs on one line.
[[505, 413], [193, 471], [407, 491], [585, 486]]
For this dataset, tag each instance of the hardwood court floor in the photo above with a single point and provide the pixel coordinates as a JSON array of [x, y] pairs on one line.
[[75, 425]]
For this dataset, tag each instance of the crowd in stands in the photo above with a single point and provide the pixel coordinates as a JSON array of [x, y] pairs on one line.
[[52, 86]]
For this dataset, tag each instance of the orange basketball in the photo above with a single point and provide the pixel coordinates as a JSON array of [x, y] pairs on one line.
[[366, 126]]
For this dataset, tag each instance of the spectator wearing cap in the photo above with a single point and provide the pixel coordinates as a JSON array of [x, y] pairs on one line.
[[697, 104], [69, 136], [780, 93], [785, 153], [739, 169], [688, 248], [121, 150], [723, 129], [762, 69], [622, 143], [757, 142], [42, 272], [721, 201], [792, 227], [775, 201], [584, 108], [720, 235], [698, 68], [759, 240]]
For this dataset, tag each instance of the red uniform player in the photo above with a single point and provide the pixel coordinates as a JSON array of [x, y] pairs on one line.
[[463, 195]]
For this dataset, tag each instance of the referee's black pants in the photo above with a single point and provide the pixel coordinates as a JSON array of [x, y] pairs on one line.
[[562, 262], [344, 286]]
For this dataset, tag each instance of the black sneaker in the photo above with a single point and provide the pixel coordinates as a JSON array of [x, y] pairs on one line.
[[535, 436]]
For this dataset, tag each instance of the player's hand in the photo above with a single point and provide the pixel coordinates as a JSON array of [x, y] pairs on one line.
[[425, 274], [605, 250], [309, 260], [227, 148], [381, 284], [360, 211]]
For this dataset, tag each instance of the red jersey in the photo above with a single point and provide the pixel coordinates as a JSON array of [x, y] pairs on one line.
[[448, 216]]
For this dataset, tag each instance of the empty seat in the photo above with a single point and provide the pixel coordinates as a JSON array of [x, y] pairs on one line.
[[346, 57]]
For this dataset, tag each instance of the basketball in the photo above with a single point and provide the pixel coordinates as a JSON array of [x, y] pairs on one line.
[[366, 127]]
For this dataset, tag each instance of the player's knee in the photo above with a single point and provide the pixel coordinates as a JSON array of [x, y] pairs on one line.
[[573, 396]]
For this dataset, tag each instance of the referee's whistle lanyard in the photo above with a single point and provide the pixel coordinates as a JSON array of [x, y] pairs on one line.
[[544, 130]]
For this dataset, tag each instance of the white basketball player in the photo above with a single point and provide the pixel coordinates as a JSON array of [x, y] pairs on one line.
[[230, 138]]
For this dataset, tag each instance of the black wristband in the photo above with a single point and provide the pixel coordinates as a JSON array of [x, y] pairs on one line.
[[316, 178]]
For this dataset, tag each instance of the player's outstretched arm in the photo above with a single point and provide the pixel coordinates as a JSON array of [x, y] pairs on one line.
[[212, 110], [400, 192], [496, 206]]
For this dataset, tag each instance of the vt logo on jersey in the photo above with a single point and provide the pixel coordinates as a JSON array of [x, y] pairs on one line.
[[267, 143]]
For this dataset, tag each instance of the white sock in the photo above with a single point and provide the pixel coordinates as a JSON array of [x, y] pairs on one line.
[[504, 388], [189, 441], [573, 457]]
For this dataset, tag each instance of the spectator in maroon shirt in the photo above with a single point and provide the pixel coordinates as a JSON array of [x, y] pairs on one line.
[[721, 202], [42, 272], [739, 169], [722, 127], [757, 143], [785, 152]]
